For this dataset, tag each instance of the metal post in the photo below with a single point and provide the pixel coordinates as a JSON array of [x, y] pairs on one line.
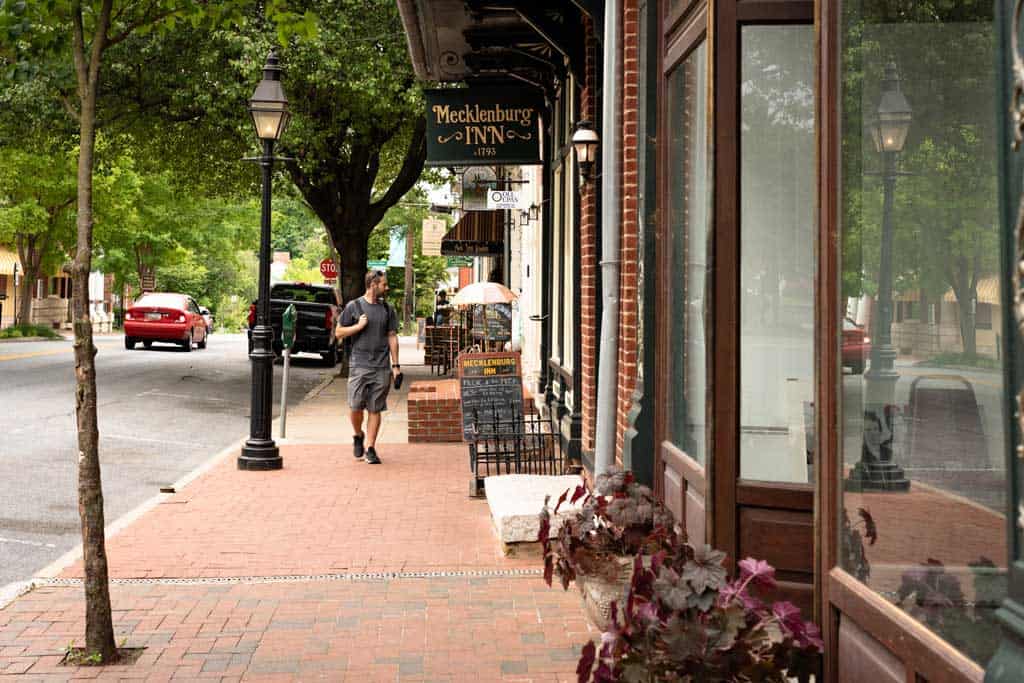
[[284, 392], [260, 452], [876, 470]]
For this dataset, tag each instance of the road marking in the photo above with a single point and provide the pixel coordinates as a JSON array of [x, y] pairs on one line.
[[51, 352], [144, 440], [34, 544], [33, 354]]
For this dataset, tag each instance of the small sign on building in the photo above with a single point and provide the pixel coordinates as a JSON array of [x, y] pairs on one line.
[[434, 230]]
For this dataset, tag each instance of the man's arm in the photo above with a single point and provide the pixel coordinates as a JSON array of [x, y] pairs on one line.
[[393, 345], [340, 331]]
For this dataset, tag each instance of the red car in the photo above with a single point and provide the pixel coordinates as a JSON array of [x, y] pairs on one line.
[[856, 346], [162, 317]]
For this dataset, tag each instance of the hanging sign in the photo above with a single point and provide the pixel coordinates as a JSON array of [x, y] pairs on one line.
[[497, 126], [477, 182], [434, 230], [503, 199]]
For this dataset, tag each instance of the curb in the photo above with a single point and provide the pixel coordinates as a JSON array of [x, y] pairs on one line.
[[15, 590]]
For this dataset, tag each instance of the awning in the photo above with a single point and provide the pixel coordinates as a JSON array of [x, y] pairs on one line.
[[478, 233], [988, 292], [7, 260]]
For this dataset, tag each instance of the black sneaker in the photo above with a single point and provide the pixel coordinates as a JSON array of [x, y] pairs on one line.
[[371, 457], [357, 446]]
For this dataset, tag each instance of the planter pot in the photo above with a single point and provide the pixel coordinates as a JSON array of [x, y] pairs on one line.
[[598, 592]]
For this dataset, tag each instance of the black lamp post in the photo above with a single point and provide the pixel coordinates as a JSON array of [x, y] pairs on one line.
[[876, 469], [269, 110]]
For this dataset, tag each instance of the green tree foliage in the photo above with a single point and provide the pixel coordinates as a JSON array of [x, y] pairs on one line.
[[63, 46], [37, 195], [945, 218], [402, 220]]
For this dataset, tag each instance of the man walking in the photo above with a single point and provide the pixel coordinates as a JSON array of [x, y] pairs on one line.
[[373, 326]]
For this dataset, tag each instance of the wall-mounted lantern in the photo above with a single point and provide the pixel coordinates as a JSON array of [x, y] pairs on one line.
[[586, 142]]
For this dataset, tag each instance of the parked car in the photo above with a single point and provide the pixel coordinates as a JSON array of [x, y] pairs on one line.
[[165, 317], [316, 308], [856, 346], [208, 317]]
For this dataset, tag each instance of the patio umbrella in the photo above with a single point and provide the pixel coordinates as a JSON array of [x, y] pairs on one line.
[[484, 293]]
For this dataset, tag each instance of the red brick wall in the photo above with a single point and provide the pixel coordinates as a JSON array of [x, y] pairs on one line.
[[629, 253], [589, 270]]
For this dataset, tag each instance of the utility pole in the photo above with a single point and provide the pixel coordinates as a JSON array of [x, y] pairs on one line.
[[410, 276]]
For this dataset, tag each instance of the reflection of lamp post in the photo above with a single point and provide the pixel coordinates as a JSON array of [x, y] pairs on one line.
[[269, 110], [876, 469]]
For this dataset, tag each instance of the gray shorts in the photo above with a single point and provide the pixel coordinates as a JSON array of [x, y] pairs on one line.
[[368, 389]]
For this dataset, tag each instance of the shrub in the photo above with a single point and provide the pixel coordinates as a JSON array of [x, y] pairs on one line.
[[682, 619]]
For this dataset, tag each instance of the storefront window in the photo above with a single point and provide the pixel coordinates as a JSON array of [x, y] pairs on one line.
[[689, 193], [777, 245], [922, 437]]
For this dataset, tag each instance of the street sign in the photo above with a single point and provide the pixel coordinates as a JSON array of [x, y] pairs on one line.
[[459, 261], [288, 327], [328, 268], [376, 265]]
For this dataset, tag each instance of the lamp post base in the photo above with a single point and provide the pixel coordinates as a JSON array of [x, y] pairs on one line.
[[260, 456], [877, 476]]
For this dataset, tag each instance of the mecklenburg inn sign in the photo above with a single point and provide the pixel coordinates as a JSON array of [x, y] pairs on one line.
[[470, 126]]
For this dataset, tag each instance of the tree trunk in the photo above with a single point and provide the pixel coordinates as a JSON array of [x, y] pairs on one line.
[[968, 327], [31, 256], [99, 629], [28, 281], [352, 267]]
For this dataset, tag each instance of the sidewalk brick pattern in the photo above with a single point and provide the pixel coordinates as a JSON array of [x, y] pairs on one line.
[[325, 513]]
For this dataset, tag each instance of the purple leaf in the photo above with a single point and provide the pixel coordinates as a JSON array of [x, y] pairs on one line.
[[561, 499], [587, 656], [788, 615], [577, 494], [758, 571]]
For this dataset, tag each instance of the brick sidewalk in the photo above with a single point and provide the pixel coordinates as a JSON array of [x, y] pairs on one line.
[[329, 569]]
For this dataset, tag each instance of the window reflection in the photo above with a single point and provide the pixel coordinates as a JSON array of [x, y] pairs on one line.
[[689, 216], [777, 244], [922, 433]]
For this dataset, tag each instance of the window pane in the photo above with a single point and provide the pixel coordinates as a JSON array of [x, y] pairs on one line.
[[689, 220], [777, 245], [922, 428]]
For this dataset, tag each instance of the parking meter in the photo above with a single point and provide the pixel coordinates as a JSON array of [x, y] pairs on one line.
[[288, 327]]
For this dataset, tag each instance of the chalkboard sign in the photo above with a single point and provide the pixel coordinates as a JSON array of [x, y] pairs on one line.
[[491, 385]]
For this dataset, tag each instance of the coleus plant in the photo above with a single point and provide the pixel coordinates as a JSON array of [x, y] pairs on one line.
[[682, 618]]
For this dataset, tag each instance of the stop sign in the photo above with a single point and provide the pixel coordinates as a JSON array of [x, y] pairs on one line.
[[328, 268]]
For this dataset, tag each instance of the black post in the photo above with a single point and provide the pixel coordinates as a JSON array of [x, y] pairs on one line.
[[876, 470], [260, 452]]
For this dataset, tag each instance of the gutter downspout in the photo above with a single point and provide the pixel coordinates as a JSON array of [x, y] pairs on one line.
[[608, 353]]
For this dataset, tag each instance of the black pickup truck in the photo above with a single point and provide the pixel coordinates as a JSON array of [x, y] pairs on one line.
[[317, 309]]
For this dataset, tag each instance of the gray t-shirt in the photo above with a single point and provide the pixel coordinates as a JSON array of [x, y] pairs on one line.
[[370, 347]]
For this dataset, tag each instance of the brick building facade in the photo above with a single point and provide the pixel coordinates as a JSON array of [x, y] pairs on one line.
[[756, 147]]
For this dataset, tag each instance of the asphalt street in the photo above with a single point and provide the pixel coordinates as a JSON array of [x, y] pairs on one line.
[[162, 413]]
